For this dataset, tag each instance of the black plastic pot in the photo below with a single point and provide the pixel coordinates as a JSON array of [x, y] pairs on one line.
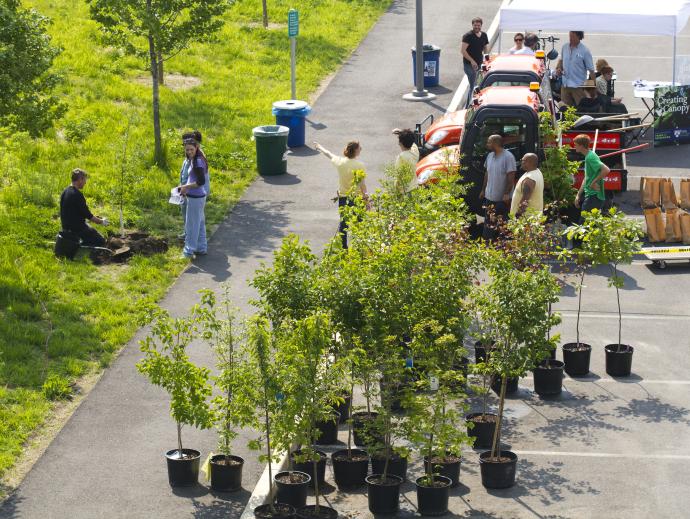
[[183, 472], [292, 493], [548, 378], [308, 468], [483, 431], [281, 511], [498, 474], [576, 358], [619, 363], [447, 468], [344, 408], [329, 430], [309, 512], [397, 466], [226, 477], [384, 497], [480, 350], [433, 500], [359, 421], [510, 389], [349, 474]]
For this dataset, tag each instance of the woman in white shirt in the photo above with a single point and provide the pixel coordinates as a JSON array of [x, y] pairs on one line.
[[519, 40], [407, 158], [346, 165]]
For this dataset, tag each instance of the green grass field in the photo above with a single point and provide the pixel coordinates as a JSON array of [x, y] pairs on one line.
[[69, 318]]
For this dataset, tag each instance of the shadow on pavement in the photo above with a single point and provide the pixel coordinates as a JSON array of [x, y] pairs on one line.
[[653, 410], [224, 505], [10, 508]]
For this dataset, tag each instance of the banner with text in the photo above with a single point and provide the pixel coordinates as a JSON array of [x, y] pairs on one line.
[[671, 115]]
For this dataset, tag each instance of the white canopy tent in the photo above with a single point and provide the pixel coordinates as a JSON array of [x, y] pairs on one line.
[[663, 17]]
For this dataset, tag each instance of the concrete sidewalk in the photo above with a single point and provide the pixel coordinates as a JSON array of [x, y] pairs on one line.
[[108, 460]]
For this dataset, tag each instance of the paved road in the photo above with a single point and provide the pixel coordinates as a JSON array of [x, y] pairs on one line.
[[108, 460]]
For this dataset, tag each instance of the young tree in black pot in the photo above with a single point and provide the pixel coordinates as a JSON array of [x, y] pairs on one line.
[[261, 387], [435, 426], [610, 238], [232, 406], [311, 383], [515, 304], [166, 364]]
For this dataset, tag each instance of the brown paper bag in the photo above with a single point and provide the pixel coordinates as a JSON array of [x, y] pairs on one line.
[[684, 200], [685, 227], [650, 192], [655, 225], [668, 194], [672, 226]]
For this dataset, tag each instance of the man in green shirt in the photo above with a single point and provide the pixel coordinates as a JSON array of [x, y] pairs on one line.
[[592, 186]]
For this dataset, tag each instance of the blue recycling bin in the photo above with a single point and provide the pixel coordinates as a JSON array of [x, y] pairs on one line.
[[291, 113], [432, 59]]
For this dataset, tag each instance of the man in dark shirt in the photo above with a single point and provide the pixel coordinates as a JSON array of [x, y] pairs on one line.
[[474, 45], [74, 212]]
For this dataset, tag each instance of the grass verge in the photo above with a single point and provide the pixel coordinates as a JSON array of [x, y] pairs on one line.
[[63, 320]]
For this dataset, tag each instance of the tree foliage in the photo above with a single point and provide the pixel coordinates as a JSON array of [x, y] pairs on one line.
[[27, 102]]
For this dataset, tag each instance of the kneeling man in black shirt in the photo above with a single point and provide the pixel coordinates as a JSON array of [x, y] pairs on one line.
[[74, 212]]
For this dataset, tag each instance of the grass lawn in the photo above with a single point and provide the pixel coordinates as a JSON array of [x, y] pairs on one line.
[[61, 320]]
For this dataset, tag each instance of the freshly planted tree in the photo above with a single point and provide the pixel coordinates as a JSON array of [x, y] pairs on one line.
[[610, 238], [157, 30], [166, 364], [27, 102]]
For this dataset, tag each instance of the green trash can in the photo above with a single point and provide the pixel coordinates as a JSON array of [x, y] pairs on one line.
[[271, 149]]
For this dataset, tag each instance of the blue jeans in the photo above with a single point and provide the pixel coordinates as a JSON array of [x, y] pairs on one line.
[[471, 78], [195, 227], [183, 210]]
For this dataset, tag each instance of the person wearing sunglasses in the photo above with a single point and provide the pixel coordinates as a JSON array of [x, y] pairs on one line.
[[519, 40]]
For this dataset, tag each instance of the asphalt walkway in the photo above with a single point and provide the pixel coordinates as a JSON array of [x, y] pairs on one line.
[[108, 459]]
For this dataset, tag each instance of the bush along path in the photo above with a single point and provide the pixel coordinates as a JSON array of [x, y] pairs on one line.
[[61, 321]]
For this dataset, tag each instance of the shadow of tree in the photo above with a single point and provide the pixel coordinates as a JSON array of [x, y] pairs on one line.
[[222, 506], [653, 410], [10, 508], [543, 482], [577, 417]]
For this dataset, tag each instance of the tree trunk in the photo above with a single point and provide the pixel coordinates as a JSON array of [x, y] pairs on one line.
[[618, 300], [264, 5], [579, 307], [158, 145], [161, 78], [179, 439], [497, 432]]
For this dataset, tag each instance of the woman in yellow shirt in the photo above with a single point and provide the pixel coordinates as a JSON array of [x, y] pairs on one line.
[[346, 165]]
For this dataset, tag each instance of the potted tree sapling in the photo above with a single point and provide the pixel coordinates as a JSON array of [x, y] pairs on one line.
[[435, 426], [166, 364], [311, 383], [232, 407], [577, 355], [515, 304], [262, 389], [611, 239], [531, 244]]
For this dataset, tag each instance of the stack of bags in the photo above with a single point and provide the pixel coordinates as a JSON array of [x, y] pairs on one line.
[[673, 225]]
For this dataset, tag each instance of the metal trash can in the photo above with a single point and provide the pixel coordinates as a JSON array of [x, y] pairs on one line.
[[291, 113], [432, 58], [271, 149]]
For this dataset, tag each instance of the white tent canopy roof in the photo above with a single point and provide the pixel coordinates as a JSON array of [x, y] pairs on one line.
[[663, 17]]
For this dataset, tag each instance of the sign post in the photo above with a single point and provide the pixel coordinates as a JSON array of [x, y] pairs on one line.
[[419, 94], [293, 31]]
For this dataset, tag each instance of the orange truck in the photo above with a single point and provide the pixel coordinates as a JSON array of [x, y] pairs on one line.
[[512, 112], [498, 70]]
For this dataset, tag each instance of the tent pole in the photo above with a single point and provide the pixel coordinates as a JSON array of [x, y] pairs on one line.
[[674, 57]]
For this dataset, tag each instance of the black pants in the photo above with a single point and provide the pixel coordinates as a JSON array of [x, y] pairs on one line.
[[343, 201], [592, 202], [90, 237], [495, 213]]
